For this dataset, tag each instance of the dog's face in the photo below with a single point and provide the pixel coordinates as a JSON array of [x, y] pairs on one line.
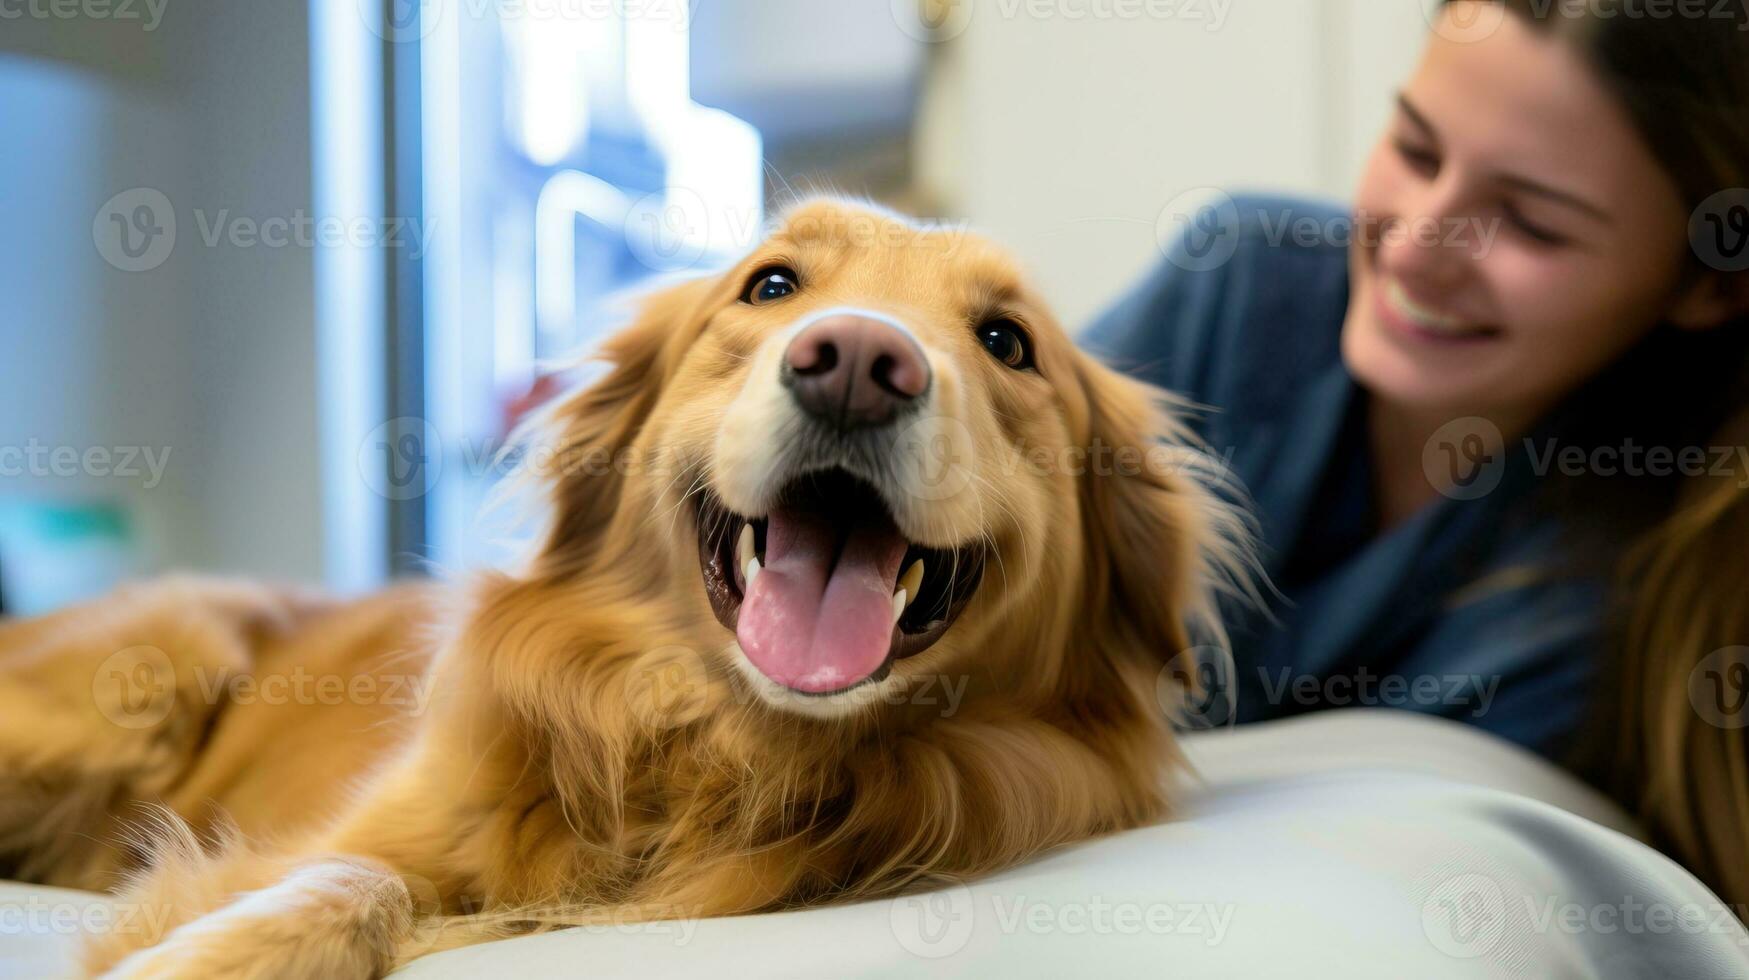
[[867, 454]]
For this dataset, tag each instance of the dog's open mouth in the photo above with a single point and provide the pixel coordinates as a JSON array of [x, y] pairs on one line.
[[824, 592]]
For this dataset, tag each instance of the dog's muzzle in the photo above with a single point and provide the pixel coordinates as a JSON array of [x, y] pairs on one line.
[[822, 588]]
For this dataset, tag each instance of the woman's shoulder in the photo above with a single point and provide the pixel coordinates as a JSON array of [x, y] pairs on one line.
[[1264, 228], [1252, 289]]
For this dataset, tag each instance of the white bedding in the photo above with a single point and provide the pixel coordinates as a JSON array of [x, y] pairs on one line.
[[1348, 844]]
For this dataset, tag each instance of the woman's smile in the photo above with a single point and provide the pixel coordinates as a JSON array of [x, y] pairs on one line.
[[1398, 311]]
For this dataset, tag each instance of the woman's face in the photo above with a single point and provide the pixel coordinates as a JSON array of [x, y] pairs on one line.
[[1514, 235]]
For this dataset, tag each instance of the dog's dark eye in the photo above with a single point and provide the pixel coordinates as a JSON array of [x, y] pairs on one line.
[[1006, 341], [771, 284]]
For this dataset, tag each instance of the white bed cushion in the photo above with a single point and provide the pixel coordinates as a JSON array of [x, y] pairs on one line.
[[1347, 844]]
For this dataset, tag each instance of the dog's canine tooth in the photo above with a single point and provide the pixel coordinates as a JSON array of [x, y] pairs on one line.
[[751, 571], [899, 603], [744, 552], [910, 582]]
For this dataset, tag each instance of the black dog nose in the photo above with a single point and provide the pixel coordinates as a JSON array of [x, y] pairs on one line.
[[854, 371]]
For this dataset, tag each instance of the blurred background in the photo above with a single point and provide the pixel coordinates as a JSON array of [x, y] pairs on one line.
[[279, 275]]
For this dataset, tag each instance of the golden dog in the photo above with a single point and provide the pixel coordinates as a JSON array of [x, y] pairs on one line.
[[859, 578]]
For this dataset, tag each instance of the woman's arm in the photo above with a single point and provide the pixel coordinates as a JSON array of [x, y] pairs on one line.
[[1518, 660]]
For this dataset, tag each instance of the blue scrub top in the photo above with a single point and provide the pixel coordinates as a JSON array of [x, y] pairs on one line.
[[1460, 611]]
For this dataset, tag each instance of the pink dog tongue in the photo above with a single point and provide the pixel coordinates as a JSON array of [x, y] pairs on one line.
[[819, 616]]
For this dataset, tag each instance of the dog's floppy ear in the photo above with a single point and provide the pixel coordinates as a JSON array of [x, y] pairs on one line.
[[586, 436], [1164, 540]]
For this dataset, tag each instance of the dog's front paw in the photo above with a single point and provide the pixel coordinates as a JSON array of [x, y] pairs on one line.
[[225, 953], [334, 920], [174, 959]]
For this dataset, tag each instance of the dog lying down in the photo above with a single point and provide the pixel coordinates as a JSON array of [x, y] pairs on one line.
[[859, 578]]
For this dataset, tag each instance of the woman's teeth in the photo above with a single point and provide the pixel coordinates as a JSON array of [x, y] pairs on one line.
[[1426, 319], [747, 558]]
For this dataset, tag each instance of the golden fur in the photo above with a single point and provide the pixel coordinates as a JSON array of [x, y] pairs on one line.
[[593, 746]]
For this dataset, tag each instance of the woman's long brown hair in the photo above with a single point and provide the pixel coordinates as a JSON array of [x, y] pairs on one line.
[[1670, 738], [1682, 672]]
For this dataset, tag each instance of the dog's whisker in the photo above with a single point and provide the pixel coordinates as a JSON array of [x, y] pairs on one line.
[[697, 486]]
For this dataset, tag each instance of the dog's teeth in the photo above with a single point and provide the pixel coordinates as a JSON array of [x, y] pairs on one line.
[[910, 582], [744, 548], [898, 605], [746, 557]]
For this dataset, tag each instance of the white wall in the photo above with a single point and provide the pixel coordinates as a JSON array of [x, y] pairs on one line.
[[253, 345], [1066, 137], [212, 353], [92, 356]]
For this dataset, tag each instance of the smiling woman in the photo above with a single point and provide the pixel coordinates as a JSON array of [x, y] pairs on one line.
[[1529, 271], [1519, 131]]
